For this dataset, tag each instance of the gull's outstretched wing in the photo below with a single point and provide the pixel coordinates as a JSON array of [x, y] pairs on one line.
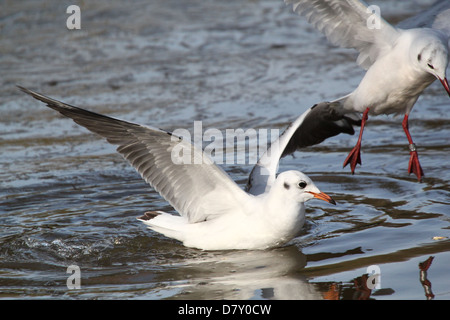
[[349, 24], [194, 190], [321, 121], [437, 16]]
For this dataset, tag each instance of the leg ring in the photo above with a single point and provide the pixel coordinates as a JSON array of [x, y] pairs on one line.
[[412, 147]]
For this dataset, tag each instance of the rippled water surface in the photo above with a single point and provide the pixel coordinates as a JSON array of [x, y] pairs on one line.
[[67, 198]]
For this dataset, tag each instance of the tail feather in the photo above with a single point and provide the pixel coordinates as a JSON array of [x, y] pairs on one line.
[[169, 225]]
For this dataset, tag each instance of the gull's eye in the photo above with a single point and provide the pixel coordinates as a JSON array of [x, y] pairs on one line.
[[302, 184], [430, 66]]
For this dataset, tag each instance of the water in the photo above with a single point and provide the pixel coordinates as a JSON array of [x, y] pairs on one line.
[[67, 198]]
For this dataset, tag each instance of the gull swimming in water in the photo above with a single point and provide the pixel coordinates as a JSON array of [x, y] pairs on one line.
[[214, 212], [400, 61]]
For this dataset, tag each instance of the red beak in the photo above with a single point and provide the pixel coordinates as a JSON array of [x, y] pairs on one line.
[[322, 196], [445, 84]]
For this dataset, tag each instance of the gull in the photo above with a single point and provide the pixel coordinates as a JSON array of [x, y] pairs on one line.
[[214, 213], [401, 61]]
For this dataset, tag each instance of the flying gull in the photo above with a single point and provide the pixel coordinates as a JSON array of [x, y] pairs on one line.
[[400, 61]]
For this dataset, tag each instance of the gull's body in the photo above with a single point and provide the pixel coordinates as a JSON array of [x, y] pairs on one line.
[[400, 61], [258, 222], [214, 212], [391, 86]]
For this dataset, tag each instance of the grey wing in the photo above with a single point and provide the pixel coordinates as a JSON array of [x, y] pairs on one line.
[[318, 123], [437, 16], [349, 24], [197, 191]]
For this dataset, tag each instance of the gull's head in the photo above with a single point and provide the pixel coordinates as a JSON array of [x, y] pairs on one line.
[[299, 187], [431, 55]]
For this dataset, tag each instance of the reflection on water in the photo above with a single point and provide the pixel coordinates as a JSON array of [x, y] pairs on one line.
[[270, 274], [424, 266], [67, 198]]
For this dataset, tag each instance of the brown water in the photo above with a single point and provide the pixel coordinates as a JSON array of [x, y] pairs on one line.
[[66, 197]]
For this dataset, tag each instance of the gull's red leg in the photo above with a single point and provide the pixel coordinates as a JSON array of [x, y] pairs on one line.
[[354, 157], [414, 164]]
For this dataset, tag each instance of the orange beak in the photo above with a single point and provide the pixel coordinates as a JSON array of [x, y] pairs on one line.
[[323, 196]]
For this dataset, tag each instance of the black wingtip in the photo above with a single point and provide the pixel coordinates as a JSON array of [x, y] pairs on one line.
[[34, 94], [27, 91], [325, 120], [23, 89]]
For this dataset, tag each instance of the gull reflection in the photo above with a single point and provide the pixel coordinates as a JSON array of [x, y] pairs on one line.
[[423, 267], [269, 274]]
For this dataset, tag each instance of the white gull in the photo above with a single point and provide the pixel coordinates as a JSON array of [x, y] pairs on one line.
[[400, 61], [214, 212]]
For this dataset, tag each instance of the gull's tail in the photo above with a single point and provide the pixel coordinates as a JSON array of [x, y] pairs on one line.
[[169, 225]]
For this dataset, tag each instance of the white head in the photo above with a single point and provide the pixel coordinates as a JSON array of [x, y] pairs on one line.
[[299, 187], [430, 53]]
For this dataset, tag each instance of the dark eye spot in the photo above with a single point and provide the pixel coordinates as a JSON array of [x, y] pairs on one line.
[[286, 186], [431, 66], [302, 184], [419, 57]]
